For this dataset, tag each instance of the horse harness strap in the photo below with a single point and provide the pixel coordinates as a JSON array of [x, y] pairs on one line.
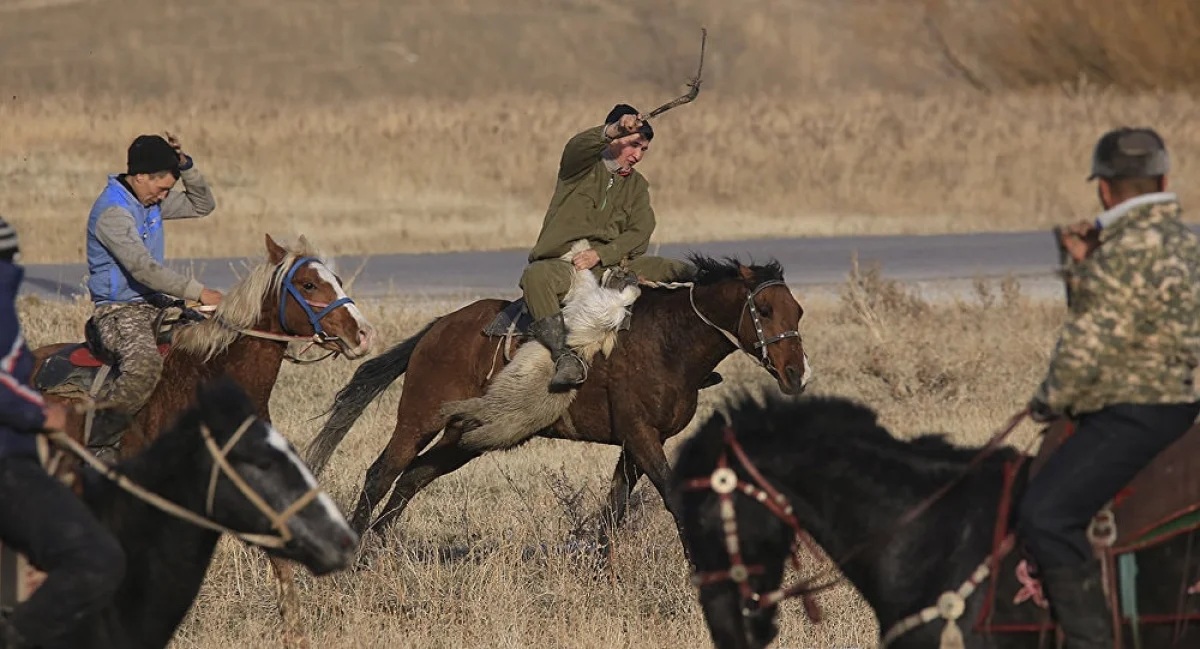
[[950, 605], [724, 481], [762, 342], [65, 442], [314, 318], [221, 465]]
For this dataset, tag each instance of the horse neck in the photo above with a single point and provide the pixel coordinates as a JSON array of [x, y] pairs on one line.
[[908, 567], [166, 558], [695, 343], [254, 363]]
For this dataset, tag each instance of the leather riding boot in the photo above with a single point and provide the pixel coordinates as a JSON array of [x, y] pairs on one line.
[[108, 427], [1076, 596], [569, 370]]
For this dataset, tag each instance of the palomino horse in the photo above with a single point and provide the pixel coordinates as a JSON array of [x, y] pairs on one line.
[[227, 468], [246, 339], [757, 480], [642, 394]]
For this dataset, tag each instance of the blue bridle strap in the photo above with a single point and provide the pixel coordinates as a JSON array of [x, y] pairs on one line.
[[314, 318]]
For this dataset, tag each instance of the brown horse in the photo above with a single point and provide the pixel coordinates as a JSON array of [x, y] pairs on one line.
[[642, 394], [246, 339]]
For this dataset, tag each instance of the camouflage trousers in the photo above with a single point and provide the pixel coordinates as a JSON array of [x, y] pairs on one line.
[[546, 282], [127, 332]]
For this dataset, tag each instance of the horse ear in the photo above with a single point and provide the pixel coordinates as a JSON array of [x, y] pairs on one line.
[[275, 252], [745, 273]]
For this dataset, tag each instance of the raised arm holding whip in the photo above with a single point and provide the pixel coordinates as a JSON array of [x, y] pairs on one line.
[[599, 197]]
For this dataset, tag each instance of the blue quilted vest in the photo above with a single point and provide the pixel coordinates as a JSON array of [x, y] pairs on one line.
[[107, 280]]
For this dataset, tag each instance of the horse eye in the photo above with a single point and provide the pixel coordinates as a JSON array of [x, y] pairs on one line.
[[309, 286], [765, 311]]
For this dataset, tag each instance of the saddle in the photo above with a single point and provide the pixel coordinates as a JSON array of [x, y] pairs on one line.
[[85, 368], [514, 319], [1137, 537]]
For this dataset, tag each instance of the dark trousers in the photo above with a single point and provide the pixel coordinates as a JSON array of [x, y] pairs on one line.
[[1109, 448], [83, 562]]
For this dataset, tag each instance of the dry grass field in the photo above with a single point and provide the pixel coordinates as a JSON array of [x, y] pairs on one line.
[[431, 125], [434, 125], [960, 367]]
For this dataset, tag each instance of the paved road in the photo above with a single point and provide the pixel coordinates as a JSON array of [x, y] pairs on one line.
[[811, 265]]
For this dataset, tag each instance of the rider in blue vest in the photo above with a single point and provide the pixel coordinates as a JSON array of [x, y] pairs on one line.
[[127, 277], [39, 516]]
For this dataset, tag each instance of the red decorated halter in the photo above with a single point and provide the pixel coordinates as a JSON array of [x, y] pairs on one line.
[[724, 481]]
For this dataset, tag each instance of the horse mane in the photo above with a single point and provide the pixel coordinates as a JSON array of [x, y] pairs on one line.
[[711, 270], [815, 425], [241, 307]]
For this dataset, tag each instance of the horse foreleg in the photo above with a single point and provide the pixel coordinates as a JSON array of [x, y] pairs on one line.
[[380, 476], [646, 449], [434, 464], [289, 605], [624, 477]]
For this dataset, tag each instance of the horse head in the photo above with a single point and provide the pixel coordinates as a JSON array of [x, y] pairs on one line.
[[258, 487], [904, 520], [768, 320], [311, 302]]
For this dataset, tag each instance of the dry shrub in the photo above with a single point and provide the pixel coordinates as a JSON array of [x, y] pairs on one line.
[[937, 353]]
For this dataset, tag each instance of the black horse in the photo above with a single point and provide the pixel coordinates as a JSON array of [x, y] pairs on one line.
[[848, 481], [167, 557]]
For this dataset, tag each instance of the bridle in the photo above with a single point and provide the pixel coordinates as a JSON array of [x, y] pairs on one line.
[[221, 467], [314, 319], [319, 335], [756, 318], [725, 482]]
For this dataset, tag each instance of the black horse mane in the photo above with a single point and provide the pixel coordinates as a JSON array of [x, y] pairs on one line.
[[711, 270], [815, 426]]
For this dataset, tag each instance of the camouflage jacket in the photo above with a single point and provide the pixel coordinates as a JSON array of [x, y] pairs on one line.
[[1133, 331]]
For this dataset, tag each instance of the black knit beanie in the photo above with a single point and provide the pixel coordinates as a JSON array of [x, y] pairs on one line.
[[151, 154], [625, 109]]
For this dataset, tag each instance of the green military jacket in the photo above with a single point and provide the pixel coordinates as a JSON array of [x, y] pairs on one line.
[[590, 202], [1133, 332]]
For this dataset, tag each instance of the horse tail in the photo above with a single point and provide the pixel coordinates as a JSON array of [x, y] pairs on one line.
[[369, 381]]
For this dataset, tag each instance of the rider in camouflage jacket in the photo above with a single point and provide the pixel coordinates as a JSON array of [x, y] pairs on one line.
[[1123, 369]]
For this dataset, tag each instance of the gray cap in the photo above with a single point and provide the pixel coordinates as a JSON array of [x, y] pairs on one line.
[[1128, 152]]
